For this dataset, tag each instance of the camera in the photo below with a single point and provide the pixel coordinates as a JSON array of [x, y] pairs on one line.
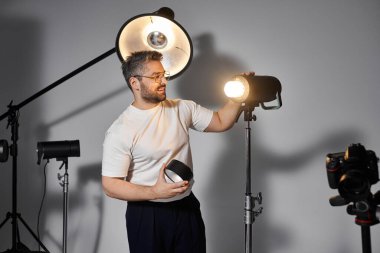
[[352, 172]]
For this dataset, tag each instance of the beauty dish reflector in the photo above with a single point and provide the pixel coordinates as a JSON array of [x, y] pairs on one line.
[[177, 171], [160, 32]]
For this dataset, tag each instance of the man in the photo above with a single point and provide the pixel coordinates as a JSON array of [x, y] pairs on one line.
[[161, 216]]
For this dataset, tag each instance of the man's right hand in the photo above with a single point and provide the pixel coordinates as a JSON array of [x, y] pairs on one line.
[[165, 190]]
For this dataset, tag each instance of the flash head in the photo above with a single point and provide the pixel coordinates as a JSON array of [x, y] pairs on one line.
[[255, 90], [57, 149]]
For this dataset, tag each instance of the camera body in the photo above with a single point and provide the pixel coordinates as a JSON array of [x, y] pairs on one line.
[[352, 172]]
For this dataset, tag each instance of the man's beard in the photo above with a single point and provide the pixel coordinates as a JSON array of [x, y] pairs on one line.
[[152, 96]]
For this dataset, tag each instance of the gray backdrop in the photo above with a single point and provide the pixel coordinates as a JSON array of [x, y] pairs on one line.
[[325, 53]]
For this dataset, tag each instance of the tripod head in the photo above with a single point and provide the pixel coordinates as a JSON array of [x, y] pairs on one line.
[[366, 211]]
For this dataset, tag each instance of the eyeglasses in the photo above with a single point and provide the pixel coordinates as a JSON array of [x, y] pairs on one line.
[[158, 77]]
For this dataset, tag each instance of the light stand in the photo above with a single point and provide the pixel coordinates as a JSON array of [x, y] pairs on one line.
[[65, 185], [60, 150], [133, 36], [249, 212], [13, 115], [17, 245], [252, 91]]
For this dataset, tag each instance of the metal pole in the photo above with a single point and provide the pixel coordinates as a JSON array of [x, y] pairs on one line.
[[65, 205], [248, 218], [61, 80], [366, 239], [13, 120], [249, 212]]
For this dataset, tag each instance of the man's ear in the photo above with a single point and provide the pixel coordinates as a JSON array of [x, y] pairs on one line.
[[135, 83]]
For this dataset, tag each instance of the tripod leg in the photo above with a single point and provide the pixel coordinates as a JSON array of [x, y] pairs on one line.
[[5, 220], [17, 231], [32, 233]]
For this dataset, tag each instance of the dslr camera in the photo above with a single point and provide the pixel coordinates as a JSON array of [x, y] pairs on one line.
[[352, 172]]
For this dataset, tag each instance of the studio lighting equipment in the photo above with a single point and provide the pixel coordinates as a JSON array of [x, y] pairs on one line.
[[61, 150], [353, 172], [4, 151], [252, 91], [160, 32], [151, 31], [57, 149], [177, 171]]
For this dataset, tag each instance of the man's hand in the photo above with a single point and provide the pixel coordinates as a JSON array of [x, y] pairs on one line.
[[225, 117], [120, 189], [164, 190]]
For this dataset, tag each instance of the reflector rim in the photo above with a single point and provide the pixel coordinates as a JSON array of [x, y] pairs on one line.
[[173, 74]]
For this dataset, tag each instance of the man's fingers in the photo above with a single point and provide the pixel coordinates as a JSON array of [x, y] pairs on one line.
[[162, 173], [180, 190], [249, 73], [180, 187], [181, 184]]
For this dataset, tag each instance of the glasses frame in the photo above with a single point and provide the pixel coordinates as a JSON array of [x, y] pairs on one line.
[[158, 77]]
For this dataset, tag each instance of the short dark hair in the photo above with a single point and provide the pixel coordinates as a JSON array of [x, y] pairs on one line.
[[134, 64]]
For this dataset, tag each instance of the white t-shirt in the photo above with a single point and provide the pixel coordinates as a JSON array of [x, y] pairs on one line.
[[139, 142]]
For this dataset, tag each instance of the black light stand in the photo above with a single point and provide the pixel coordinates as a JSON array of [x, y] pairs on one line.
[[13, 115], [17, 246], [65, 185]]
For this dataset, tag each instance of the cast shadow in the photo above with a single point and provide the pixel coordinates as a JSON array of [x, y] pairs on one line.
[[43, 128], [203, 81], [84, 215], [85, 201], [225, 191]]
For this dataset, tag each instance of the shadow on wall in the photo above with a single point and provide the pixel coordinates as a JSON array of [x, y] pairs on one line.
[[224, 194], [85, 214], [45, 127], [20, 53], [85, 200], [203, 82]]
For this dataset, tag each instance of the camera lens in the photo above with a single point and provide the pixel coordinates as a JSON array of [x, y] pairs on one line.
[[354, 186]]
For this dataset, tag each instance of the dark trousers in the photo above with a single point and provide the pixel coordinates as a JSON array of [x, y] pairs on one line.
[[174, 227]]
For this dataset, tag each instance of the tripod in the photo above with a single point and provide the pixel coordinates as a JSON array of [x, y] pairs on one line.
[[14, 216], [365, 212]]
